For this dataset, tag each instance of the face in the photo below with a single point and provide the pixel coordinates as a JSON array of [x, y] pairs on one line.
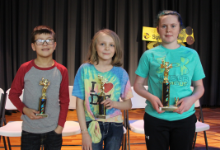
[[105, 47], [169, 29], [45, 50]]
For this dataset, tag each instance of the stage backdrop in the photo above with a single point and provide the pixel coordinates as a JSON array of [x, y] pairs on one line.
[[76, 21]]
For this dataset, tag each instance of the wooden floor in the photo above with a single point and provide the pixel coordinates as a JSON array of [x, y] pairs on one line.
[[211, 116]]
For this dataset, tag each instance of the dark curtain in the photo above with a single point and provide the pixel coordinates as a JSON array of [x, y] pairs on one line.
[[76, 21]]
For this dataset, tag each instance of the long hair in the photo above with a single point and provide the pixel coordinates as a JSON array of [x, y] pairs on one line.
[[93, 55]]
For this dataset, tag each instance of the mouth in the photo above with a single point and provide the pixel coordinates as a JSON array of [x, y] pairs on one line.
[[168, 35], [45, 49]]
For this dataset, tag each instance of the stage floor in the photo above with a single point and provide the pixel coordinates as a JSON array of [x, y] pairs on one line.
[[211, 116]]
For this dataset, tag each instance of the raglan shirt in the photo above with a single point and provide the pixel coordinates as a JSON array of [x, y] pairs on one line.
[[28, 78], [186, 67], [87, 87]]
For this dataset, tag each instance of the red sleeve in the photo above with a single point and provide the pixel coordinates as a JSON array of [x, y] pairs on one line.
[[63, 96], [18, 85]]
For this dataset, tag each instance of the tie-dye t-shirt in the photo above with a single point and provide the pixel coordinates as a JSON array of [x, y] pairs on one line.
[[87, 87], [186, 67]]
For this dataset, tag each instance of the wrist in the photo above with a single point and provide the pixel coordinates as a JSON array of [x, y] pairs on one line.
[[84, 131]]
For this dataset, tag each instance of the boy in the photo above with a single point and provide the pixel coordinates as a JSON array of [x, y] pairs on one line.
[[37, 130]]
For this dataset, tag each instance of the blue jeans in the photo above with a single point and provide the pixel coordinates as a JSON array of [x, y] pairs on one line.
[[32, 141], [112, 134]]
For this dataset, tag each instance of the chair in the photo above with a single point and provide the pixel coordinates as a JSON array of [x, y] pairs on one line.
[[2, 113], [137, 126], [200, 125], [13, 129], [71, 127]]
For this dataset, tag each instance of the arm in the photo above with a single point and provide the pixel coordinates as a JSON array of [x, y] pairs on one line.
[[139, 89], [124, 105], [16, 89], [86, 139], [64, 101], [187, 102]]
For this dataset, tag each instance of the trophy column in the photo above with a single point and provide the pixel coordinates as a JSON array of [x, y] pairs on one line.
[[166, 88], [166, 94], [102, 97], [43, 98]]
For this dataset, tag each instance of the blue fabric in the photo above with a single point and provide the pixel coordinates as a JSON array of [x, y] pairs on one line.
[[112, 134], [186, 67]]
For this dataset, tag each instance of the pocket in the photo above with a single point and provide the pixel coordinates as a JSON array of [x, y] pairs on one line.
[[117, 124], [56, 133]]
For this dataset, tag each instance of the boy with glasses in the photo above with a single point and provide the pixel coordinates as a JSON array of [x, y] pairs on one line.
[[38, 129]]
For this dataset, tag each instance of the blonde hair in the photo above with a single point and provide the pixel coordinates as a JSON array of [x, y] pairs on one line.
[[93, 55]]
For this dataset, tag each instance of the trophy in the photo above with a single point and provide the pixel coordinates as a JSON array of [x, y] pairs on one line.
[[101, 97], [166, 89], [43, 98]]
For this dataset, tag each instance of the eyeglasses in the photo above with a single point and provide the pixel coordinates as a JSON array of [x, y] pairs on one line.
[[41, 42]]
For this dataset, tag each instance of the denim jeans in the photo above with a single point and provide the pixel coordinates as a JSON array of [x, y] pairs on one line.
[[32, 141], [112, 134]]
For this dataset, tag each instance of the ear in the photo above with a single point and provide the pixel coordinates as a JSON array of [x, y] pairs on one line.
[[33, 46], [54, 45], [157, 30]]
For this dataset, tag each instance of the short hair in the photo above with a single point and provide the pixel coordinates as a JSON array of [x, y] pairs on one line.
[[42, 29], [169, 12], [93, 55]]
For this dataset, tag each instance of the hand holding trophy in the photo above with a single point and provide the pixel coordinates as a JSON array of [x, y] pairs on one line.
[[166, 89], [43, 98], [102, 97]]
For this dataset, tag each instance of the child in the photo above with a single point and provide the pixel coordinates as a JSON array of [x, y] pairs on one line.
[[37, 130], [102, 66], [170, 129]]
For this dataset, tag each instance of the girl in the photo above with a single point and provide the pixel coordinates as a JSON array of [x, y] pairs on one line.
[[103, 63], [165, 129]]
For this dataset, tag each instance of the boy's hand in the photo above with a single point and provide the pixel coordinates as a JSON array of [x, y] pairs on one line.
[[31, 113], [59, 129], [156, 103], [108, 103], [185, 104], [86, 141]]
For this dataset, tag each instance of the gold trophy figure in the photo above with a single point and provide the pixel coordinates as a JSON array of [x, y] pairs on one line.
[[176, 101], [43, 98], [102, 97], [166, 88]]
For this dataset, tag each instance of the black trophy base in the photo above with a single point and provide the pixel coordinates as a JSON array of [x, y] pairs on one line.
[[101, 116], [168, 108], [43, 115]]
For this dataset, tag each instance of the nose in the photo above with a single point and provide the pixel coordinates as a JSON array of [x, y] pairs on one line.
[[45, 42], [168, 29], [107, 47]]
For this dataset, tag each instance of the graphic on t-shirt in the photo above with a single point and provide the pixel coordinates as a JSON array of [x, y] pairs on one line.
[[94, 95], [183, 62], [178, 80]]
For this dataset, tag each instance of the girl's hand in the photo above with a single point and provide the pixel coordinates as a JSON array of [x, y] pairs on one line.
[[86, 141], [108, 103], [156, 103], [31, 113], [185, 104]]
